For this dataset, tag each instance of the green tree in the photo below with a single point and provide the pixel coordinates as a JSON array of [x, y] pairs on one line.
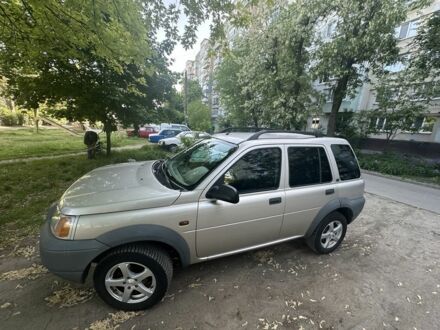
[[425, 66], [397, 106], [199, 116], [362, 41], [264, 80], [99, 58]]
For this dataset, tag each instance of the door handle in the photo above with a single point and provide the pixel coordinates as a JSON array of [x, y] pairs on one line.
[[329, 191], [276, 200]]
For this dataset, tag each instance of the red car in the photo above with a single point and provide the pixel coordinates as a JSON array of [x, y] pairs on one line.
[[144, 132]]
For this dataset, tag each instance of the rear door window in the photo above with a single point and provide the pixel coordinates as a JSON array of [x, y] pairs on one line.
[[308, 166], [346, 161]]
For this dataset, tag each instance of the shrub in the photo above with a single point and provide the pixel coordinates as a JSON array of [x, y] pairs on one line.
[[9, 118], [399, 165]]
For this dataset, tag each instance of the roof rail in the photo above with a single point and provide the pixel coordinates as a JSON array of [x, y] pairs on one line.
[[242, 130], [258, 134]]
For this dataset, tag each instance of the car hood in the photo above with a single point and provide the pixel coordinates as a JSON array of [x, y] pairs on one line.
[[116, 188], [171, 139]]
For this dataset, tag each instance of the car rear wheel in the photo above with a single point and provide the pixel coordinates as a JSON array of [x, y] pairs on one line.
[[329, 234], [133, 277]]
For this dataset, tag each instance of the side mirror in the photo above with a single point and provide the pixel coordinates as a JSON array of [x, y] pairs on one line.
[[224, 192]]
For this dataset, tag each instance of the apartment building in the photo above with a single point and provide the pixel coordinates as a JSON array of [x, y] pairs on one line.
[[365, 96], [202, 70]]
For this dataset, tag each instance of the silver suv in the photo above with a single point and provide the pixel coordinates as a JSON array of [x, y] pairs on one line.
[[229, 194]]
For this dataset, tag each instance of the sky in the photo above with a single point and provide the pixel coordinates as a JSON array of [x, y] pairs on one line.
[[180, 55]]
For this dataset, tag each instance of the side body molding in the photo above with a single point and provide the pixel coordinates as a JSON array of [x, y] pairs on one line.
[[154, 233]]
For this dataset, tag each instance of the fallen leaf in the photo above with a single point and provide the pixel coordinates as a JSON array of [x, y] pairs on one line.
[[5, 305]]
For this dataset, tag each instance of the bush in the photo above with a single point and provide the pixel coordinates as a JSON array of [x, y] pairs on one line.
[[399, 165], [9, 118]]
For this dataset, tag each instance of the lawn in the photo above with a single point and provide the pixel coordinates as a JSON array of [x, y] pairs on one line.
[[28, 188], [24, 142]]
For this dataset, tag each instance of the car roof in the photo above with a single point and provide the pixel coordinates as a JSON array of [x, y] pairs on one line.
[[268, 137]]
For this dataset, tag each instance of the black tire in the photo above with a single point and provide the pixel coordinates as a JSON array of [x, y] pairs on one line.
[[172, 147], [154, 258], [315, 240]]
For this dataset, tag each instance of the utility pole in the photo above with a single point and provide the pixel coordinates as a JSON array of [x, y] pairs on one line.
[[185, 109]]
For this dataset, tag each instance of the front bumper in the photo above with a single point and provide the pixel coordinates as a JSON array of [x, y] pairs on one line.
[[69, 259]]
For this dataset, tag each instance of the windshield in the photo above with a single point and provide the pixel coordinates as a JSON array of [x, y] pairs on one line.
[[191, 166]]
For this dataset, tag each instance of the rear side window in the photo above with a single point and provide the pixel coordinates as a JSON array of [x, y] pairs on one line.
[[347, 164], [258, 170], [307, 166]]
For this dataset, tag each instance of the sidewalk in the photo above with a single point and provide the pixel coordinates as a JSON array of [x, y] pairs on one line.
[[18, 160], [417, 195]]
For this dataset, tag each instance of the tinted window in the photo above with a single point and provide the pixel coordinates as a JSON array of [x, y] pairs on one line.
[[308, 165], [258, 170], [347, 164]]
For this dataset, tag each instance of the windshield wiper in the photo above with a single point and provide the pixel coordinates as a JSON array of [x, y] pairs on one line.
[[171, 179]]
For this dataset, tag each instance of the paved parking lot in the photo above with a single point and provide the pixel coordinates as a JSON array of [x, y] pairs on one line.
[[385, 275]]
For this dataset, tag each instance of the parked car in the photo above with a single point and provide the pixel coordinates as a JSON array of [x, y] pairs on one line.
[[228, 194], [144, 132], [174, 126], [174, 143], [163, 134]]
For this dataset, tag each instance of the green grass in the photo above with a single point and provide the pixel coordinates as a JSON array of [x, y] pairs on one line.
[[405, 166], [24, 142], [28, 188]]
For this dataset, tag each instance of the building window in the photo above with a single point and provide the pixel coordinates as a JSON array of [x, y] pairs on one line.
[[378, 123], [407, 29], [328, 94], [424, 124], [315, 123]]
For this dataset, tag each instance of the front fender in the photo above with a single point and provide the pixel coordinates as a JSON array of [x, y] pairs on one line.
[[142, 233]]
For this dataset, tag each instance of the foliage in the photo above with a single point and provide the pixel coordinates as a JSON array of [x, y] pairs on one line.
[[400, 165], [396, 105], [362, 41], [102, 60], [11, 118], [195, 92], [264, 79], [427, 63], [199, 116]]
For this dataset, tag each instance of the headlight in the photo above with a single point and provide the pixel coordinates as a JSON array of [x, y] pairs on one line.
[[63, 226]]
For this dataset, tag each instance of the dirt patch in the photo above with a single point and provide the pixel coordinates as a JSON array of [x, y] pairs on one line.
[[113, 321], [68, 296], [30, 273], [385, 276]]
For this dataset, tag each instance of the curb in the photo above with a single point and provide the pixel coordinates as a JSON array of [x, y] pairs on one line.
[[398, 178]]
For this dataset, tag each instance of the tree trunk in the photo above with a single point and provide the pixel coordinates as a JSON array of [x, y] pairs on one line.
[[108, 134], [108, 147], [36, 118], [338, 97]]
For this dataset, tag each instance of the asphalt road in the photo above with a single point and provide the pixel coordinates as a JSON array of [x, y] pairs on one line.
[[409, 193]]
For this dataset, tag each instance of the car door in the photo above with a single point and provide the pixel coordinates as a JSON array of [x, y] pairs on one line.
[[224, 227], [310, 185]]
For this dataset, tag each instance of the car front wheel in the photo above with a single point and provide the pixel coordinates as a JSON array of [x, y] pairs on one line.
[[133, 277], [172, 147]]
